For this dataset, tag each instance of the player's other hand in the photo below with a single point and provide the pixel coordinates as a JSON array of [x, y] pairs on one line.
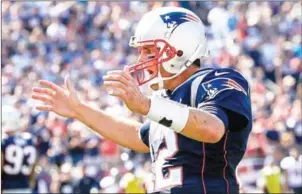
[[57, 99], [119, 83]]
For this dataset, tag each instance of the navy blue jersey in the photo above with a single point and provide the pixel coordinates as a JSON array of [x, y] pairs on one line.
[[184, 165], [20, 154]]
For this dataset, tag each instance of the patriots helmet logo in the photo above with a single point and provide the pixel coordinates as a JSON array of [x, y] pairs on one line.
[[217, 85], [174, 19]]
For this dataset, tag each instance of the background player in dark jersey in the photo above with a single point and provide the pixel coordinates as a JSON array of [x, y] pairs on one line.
[[199, 119], [19, 154]]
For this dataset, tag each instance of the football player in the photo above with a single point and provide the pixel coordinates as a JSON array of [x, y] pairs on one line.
[[19, 154], [199, 119]]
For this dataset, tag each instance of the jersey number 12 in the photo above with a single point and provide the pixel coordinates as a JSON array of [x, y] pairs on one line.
[[174, 176]]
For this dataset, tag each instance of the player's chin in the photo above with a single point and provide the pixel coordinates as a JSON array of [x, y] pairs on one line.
[[154, 86]]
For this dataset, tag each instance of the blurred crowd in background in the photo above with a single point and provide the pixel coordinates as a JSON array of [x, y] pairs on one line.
[[48, 40]]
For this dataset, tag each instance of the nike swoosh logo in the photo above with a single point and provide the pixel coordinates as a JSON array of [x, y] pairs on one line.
[[219, 74]]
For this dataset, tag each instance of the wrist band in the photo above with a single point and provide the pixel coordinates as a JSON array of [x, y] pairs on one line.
[[168, 113]]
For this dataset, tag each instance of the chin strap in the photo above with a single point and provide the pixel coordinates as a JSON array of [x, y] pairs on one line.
[[202, 48], [160, 80]]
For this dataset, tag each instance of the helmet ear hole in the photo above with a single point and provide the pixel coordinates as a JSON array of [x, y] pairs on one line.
[[179, 53]]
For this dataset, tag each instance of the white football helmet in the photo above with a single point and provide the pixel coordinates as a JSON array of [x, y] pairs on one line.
[[10, 118], [178, 36]]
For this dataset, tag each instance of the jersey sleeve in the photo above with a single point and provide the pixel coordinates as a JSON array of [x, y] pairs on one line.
[[144, 133], [218, 112], [225, 93]]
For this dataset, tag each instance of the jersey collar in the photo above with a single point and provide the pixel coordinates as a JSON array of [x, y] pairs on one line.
[[196, 74]]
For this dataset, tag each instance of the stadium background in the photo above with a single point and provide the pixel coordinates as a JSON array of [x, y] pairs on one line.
[[48, 40]]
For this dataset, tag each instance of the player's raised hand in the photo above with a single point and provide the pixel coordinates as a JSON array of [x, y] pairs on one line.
[[57, 99], [120, 83]]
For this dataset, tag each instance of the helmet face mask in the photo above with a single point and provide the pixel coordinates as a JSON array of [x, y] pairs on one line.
[[145, 71]]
